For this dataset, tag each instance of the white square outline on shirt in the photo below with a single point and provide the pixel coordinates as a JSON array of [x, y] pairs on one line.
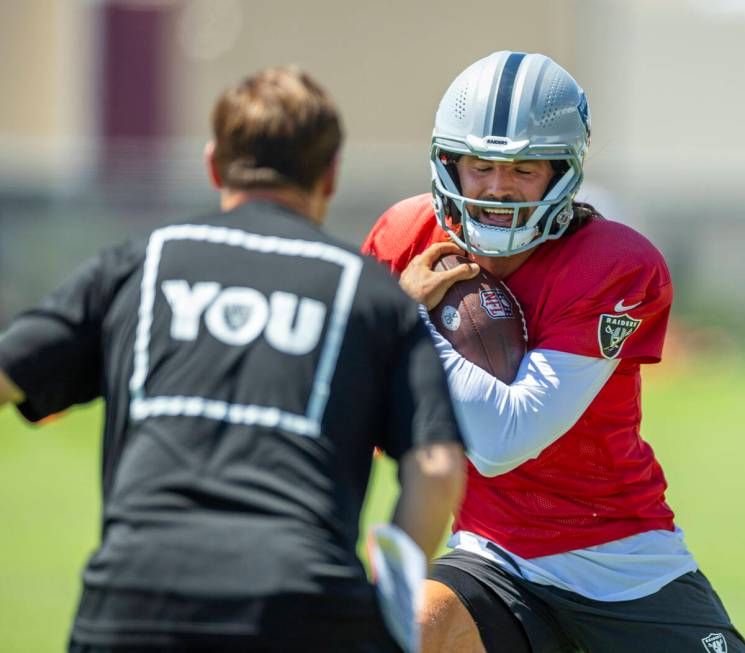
[[309, 424]]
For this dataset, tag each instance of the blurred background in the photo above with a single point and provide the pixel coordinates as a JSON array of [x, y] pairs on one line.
[[106, 109], [104, 114]]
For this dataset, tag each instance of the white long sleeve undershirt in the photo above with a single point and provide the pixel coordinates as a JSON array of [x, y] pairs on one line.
[[505, 425]]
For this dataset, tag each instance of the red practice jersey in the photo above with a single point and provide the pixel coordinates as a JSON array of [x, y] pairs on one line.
[[603, 291]]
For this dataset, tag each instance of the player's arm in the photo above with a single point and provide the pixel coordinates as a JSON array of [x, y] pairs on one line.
[[423, 435], [9, 391], [50, 355], [505, 425], [432, 480]]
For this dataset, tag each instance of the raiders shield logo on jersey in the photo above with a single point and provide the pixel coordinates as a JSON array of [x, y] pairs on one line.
[[715, 643], [613, 331]]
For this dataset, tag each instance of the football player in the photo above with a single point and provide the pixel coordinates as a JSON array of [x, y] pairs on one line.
[[564, 541]]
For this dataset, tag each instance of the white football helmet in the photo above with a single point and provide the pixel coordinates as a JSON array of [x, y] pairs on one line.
[[510, 106]]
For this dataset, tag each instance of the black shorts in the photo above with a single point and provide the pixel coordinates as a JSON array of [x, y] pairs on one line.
[[318, 644], [281, 627], [684, 616]]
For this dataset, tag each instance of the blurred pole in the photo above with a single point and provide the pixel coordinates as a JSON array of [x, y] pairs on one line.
[[134, 93]]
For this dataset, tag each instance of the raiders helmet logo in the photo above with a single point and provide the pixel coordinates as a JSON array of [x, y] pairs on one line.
[[715, 643], [613, 330]]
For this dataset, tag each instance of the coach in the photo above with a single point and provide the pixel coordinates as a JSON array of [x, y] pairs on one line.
[[249, 364]]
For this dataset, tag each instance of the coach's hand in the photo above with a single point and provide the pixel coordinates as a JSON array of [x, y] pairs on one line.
[[427, 286]]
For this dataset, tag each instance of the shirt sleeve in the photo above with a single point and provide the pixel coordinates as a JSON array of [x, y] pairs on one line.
[[421, 411], [506, 425], [403, 231], [610, 297], [54, 352]]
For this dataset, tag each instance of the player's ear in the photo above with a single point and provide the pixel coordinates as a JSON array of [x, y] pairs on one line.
[[331, 177], [209, 162]]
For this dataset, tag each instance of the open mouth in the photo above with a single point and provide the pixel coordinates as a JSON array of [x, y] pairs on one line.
[[493, 217]]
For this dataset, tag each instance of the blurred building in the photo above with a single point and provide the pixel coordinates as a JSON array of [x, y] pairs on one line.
[[106, 107]]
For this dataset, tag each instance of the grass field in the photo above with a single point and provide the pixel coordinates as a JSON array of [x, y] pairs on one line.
[[694, 416]]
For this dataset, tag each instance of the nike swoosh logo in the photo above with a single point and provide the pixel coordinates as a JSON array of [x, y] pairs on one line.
[[620, 307]]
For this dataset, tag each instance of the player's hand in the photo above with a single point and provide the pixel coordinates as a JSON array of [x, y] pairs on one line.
[[427, 286]]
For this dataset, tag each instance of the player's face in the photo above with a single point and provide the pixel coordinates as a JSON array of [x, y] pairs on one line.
[[502, 181]]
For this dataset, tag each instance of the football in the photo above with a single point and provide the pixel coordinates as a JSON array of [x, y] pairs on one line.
[[483, 321]]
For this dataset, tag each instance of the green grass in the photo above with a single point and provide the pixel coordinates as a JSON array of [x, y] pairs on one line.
[[49, 515], [693, 416], [695, 420]]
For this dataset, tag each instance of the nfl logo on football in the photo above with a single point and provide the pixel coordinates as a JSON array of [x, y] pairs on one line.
[[715, 643], [495, 303]]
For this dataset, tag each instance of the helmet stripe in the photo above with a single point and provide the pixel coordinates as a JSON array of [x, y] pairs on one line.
[[504, 94]]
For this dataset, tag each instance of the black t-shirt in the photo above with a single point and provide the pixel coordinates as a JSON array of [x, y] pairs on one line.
[[250, 363]]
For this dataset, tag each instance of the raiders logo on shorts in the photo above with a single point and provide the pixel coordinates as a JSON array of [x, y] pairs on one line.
[[715, 643]]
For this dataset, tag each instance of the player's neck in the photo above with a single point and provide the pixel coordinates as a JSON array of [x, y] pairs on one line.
[[502, 267], [312, 205]]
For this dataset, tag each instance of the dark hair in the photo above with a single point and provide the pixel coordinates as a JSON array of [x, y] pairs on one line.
[[276, 128], [583, 213]]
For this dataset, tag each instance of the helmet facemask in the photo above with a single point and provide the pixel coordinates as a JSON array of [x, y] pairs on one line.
[[550, 217]]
